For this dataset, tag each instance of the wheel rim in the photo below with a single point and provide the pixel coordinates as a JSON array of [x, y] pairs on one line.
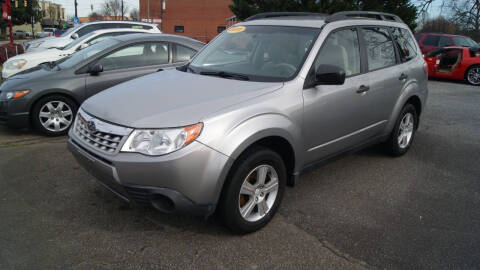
[[473, 76], [258, 193], [405, 131], [56, 116]]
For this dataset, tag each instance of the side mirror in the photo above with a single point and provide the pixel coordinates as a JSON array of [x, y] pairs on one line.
[[95, 69], [329, 75], [74, 36], [83, 46]]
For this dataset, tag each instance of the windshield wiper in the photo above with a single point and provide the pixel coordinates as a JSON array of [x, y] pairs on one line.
[[224, 74]]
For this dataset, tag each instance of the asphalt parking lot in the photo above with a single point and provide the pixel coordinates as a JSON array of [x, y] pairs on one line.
[[366, 210]]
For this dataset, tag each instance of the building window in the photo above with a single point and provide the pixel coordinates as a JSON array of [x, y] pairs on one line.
[[221, 29], [179, 29]]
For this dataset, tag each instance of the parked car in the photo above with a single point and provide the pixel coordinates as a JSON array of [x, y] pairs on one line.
[[58, 32], [432, 41], [21, 34], [29, 60], [47, 32], [48, 95], [266, 99], [457, 63], [83, 29]]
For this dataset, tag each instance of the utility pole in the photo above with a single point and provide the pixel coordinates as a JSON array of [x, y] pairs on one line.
[[76, 4], [148, 10], [122, 10]]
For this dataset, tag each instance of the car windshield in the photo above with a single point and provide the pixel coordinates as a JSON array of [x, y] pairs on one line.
[[464, 42], [77, 41], [256, 53], [69, 31], [84, 54]]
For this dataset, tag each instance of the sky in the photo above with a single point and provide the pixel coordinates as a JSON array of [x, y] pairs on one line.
[[84, 6]]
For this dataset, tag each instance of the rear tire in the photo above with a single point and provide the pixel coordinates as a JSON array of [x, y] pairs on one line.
[[248, 203], [472, 76], [403, 132], [54, 115]]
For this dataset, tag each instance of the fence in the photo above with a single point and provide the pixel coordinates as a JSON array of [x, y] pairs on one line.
[[9, 50]]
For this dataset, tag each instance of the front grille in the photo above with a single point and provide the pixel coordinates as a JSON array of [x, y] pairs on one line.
[[98, 134]]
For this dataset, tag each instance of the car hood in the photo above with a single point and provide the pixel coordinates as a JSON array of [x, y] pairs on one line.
[[53, 42], [171, 99], [33, 74], [48, 55]]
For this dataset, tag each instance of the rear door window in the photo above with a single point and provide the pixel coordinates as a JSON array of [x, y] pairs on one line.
[[431, 40], [379, 46]]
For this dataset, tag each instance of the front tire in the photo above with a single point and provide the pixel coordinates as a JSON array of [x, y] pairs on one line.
[[403, 133], [252, 197], [53, 115]]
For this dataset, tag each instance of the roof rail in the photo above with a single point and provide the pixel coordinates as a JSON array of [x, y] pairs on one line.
[[267, 15], [348, 15]]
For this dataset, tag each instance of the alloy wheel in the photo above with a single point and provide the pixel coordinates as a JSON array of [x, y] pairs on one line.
[[473, 76], [405, 131], [258, 193]]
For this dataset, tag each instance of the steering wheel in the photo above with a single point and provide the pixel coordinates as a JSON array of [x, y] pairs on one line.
[[286, 69]]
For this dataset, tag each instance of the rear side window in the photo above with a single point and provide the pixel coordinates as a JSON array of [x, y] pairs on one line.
[[182, 53], [405, 44], [341, 49], [431, 40], [444, 42], [379, 46]]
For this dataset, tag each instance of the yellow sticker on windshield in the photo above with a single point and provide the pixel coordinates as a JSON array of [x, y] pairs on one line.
[[236, 29]]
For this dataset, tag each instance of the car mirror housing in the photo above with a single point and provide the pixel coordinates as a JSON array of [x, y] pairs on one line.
[[83, 46], [329, 75], [95, 69], [74, 36]]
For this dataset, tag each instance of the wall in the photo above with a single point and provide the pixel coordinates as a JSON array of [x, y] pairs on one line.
[[200, 18]]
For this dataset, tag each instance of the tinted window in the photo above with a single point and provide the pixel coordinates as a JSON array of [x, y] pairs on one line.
[[341, 49], [444, 42], [182, 53], [464, 42], [379, 45], [431, 40], [405, 44], [418, 37], [87, 29], [137, 55], [179, 29]]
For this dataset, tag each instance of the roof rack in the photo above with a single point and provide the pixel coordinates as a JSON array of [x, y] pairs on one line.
[[348, 15], [267, 15]]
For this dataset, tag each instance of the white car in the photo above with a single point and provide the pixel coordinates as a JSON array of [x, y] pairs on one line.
[[30, 60], [47, 32], [83, 29]]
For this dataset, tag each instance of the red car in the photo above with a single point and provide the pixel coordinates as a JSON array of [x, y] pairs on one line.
[[432, 41], [457, 63]]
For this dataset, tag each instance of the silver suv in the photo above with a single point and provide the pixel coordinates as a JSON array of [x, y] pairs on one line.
[[266, 99]]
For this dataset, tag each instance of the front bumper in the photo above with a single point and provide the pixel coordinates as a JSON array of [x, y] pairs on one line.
[[14, 113], [188, 180]]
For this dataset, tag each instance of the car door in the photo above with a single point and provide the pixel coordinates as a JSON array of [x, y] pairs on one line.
[[337, 117], [127, 63]]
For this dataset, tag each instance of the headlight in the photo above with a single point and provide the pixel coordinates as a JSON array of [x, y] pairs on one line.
[[17, 94], [155, 142], [15, 64]]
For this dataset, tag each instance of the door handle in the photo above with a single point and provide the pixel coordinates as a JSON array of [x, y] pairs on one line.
[[403, 77], [363, 89]]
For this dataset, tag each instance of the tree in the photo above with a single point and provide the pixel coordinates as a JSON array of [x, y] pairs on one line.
[[115, 8], [403, 8], [135, 14], [439, 25]]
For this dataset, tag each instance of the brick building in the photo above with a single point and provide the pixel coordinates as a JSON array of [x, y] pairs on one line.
[[198, 19]]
